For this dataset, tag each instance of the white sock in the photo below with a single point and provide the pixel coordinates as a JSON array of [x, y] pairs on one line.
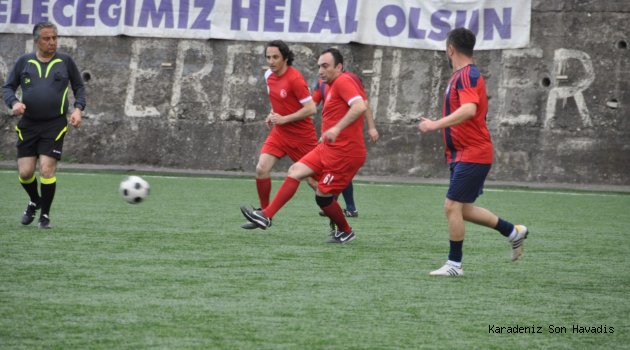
[[455, 263]]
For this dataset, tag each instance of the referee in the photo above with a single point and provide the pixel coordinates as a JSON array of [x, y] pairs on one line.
[[44, 77]]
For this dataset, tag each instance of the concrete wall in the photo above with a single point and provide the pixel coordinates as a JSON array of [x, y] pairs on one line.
[[558, 109]]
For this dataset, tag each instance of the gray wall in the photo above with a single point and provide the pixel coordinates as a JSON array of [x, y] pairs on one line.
[[558, 109]]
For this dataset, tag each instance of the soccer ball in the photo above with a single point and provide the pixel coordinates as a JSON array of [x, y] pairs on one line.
[[134, 189]]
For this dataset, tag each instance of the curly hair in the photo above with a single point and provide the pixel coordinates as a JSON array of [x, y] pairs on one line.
[[287, 54]]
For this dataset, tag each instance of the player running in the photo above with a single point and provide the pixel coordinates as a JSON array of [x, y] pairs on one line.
[[468, 151], [348, 193], [335, 160], [292, 130]]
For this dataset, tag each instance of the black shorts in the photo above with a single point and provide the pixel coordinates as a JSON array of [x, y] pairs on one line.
[[41, 137], [467, 181]]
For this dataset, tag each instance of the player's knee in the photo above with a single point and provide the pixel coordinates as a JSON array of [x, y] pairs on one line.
[[47, 171], [447, 208], [292, 169], [262, 171], [452, 207], [294, 172], [323, 201], [26, 174]]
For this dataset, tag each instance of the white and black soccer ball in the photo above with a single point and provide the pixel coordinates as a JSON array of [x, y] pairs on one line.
[[134, 189]]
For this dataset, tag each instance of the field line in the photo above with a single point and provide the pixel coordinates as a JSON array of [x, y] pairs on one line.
[[360, 184]]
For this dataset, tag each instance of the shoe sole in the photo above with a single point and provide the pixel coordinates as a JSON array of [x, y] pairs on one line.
[[336, 241], [349, 239], [447, 275], [249, 226]]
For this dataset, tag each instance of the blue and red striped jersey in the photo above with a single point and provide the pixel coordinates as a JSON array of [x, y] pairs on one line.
[[469, 141]]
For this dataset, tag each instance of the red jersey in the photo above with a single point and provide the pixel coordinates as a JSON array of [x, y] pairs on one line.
[[287, 94], [339, 95], [321, 87], [469, 141]]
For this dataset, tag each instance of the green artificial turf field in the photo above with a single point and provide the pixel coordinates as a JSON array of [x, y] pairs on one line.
[[177, 271]]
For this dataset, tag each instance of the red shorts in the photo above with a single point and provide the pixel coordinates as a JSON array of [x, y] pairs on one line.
[[279, 146], [335, 170]]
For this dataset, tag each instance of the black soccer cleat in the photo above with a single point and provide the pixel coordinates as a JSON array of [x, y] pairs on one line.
[[250, 225], [351, 213], [29, 213], [44, 222], [342, 237], [256, 217]]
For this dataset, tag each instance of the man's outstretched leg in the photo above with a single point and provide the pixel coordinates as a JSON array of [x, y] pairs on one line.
[[262, 217], [515, 234]]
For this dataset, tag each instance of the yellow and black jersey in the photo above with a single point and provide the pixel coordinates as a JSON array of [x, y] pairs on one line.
[[44, 86]]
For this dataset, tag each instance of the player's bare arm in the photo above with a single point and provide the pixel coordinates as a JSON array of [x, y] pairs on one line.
[[369, 117], [463, 113], [357, 108], [308, 109]]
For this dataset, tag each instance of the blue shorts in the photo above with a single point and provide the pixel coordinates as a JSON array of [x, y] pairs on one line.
[[467, 181]]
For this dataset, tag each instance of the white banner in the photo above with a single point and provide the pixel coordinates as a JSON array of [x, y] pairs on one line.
[[420, 24]]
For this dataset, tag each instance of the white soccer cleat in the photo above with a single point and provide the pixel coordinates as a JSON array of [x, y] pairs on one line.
[[448, 270], [517, 243]]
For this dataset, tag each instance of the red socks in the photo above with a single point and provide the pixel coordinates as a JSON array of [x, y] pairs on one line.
[[284, 194], [264, 191], [334, 212]]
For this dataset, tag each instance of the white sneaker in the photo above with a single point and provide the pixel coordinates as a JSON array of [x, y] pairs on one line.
[[517, 243], [448, 270]]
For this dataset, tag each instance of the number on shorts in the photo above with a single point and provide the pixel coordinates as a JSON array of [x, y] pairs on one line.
[[328, 179]]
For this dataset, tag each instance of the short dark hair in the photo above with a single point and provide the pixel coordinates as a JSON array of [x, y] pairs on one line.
[[337, 57], [463, 40], [287, 54], [41, 25]]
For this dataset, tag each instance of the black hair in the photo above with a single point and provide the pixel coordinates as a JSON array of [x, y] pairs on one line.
[[337, 57], [463, 40], [41, 25], [286, 53]]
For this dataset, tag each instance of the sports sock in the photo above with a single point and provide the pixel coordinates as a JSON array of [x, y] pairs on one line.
[[263, 186], [455, 252], [348, 197], [30, 185], [334, 212], [48, 187], [285, 193], [504, 227], [457, 264]]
